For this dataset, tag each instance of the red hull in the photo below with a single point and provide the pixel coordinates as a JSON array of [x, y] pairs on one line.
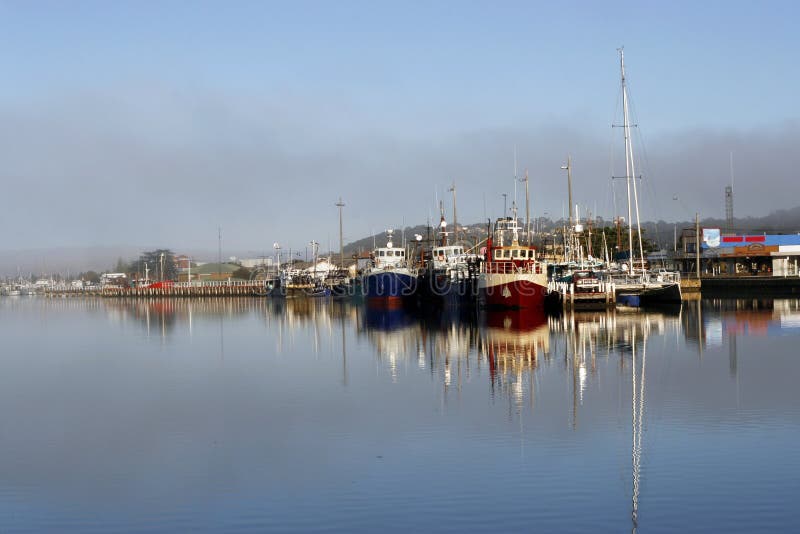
[[518, 294]]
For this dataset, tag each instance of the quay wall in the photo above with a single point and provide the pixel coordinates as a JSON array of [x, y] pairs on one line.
[[751, 286]]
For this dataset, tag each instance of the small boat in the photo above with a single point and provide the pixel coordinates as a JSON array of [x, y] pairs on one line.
[[294, 283], [512, 276], [389, 278]]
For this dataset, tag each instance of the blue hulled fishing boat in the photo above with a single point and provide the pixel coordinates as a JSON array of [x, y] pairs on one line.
[[389, 277]]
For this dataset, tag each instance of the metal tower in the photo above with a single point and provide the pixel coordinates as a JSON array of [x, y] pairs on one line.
[[729, 208]]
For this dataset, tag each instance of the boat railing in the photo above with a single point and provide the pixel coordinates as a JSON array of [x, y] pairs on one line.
[[665, 276], [218, 283], [509, 267], [660, 277]]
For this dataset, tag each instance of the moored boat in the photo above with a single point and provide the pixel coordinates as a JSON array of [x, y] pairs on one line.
[[450, 275], [389, 278], [511, 276]]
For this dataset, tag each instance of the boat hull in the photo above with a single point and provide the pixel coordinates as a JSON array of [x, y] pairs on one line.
[[390, 285], [276, 289], [649, 295], [513, 291], [440, 289]]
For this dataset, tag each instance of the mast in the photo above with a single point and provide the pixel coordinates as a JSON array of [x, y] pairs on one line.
[[455, 218], [630, 168], [340, 205], [515, 175], [514, 226], [571, 224], [527, 210], [442, 224]]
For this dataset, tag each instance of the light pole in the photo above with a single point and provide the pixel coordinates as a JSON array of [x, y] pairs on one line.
[[675, 231], [314, 247], [568, 168]]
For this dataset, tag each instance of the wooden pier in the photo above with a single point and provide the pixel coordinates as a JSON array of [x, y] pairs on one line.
[[227, 288], [584, 300]]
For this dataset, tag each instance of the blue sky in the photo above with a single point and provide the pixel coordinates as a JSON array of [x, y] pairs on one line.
[[299, 103]]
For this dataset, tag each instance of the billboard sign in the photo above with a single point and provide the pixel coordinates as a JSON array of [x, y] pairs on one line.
[[711, 237]]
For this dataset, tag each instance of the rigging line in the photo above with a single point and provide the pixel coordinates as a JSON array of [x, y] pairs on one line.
[[611, 149], [651, 184]]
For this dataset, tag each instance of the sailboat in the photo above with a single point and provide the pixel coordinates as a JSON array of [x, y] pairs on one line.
[[639, 287]]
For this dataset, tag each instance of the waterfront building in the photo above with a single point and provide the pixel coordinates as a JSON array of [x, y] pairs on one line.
[[740, 254]]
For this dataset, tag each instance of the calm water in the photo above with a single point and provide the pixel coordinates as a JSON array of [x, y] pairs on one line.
[[248, 415]]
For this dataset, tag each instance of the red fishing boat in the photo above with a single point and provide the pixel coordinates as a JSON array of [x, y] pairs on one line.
[[512, 276]]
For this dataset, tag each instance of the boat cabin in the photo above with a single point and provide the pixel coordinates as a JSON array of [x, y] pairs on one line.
[[447, 256], [388, 257], [514, 253], [504, 254]]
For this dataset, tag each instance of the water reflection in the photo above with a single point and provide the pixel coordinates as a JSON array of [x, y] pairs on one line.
[[514, 343], [231, 396], [453, 346], [503, 350]]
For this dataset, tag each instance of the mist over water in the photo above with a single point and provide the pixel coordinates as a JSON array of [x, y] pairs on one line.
[[249, 414]]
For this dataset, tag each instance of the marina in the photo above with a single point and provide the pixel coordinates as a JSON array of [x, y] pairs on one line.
[[503, 271], [440, 267]]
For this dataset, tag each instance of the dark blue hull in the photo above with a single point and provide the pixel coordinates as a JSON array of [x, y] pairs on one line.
[[389, 285], [439, 289]]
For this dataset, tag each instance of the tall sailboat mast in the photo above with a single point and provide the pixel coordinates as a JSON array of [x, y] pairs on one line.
[[630, 168], [568, 168]]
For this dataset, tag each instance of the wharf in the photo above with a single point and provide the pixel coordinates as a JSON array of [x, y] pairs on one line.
[[751, 286], [570, 299], [690, 285]]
